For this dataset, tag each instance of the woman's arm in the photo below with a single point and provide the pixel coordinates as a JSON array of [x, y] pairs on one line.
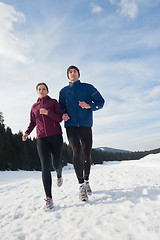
[[55, 114]]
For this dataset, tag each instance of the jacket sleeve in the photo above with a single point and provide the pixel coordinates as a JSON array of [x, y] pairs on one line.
[[56, 114], [97, 101], [32, 123], [62, 102]]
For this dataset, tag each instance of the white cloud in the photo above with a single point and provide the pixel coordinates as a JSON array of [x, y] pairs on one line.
[[96, 8], [10, 44], [130, 8], [151, 38], [126, 7]]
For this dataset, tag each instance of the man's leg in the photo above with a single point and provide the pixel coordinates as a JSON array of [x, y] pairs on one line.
[[74, 140], [86, 140]]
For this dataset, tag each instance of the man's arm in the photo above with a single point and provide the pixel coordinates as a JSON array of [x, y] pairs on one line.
[[97, 99]]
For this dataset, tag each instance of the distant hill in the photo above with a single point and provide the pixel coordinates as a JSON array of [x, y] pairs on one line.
[[113, 150]]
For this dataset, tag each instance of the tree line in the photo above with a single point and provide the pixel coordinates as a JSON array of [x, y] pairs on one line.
[[18, 155]]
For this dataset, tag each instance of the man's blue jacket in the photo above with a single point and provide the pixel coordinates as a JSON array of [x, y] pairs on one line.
[[69, 98]]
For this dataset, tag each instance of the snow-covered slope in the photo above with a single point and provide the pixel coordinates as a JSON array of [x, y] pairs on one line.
[[125, 204], [113, 150]]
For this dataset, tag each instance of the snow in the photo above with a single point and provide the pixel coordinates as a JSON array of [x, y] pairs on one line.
[[125, 204]]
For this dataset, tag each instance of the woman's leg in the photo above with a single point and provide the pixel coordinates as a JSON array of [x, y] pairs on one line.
[[56, 144], [45, 158]]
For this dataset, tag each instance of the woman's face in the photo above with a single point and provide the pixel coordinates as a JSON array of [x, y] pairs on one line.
[[42, 91]]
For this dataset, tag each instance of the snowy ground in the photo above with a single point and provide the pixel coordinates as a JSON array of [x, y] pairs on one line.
[[125, 204]]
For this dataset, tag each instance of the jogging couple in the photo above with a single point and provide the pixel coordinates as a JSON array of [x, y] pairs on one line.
[[77, 101]]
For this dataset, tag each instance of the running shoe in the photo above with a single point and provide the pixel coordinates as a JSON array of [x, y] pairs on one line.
[[49, 204], [83, 193], [88, 189], [59, 182]]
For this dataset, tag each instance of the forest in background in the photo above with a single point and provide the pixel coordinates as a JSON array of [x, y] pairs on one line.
[[18, 155]]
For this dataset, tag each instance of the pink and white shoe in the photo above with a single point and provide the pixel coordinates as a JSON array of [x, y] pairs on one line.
[[59, 182], [49, 204]]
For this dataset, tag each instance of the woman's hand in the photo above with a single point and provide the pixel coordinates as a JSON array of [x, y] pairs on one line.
[[43, 111], [24, 137]]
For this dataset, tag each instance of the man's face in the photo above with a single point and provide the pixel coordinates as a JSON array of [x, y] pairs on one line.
[[73, 75]]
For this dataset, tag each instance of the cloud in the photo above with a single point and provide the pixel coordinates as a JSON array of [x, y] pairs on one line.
[[126, 7], [96, 8], [151, 39], [131, 139], [131, 8], [11, 45]]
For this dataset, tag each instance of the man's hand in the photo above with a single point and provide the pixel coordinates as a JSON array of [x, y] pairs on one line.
[[65, 117], [84, 105]]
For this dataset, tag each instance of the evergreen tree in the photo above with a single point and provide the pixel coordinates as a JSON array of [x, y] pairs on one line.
[[2, 143], [1, 118]]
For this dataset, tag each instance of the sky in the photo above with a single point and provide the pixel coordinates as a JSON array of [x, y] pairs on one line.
[[116, 46], [125, 204]]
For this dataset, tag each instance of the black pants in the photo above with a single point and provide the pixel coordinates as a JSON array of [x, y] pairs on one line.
[[80, 139], [50, 151]]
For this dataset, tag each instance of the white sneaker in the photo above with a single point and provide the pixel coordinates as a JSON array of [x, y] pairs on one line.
[[88, 189], [83, 193], [49, 204]]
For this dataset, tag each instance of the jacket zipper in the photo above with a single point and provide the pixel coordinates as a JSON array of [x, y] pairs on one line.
[[77, 117], [43, 119]]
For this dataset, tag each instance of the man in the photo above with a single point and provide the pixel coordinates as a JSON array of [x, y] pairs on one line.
[[78, 101]]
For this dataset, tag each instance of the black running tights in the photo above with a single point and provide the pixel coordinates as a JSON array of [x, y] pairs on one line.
[[80, 139], [50, 151]]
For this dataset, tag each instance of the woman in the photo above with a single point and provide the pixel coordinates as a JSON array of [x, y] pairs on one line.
[[46, 115]]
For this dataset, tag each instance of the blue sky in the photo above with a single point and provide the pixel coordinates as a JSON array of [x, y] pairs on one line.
[[116, 46]]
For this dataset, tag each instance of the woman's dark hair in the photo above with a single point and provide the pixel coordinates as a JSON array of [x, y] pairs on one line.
[[42, 83]]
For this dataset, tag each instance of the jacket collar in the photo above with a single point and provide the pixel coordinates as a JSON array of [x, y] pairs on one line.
[[43, 99], [74, 83]]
